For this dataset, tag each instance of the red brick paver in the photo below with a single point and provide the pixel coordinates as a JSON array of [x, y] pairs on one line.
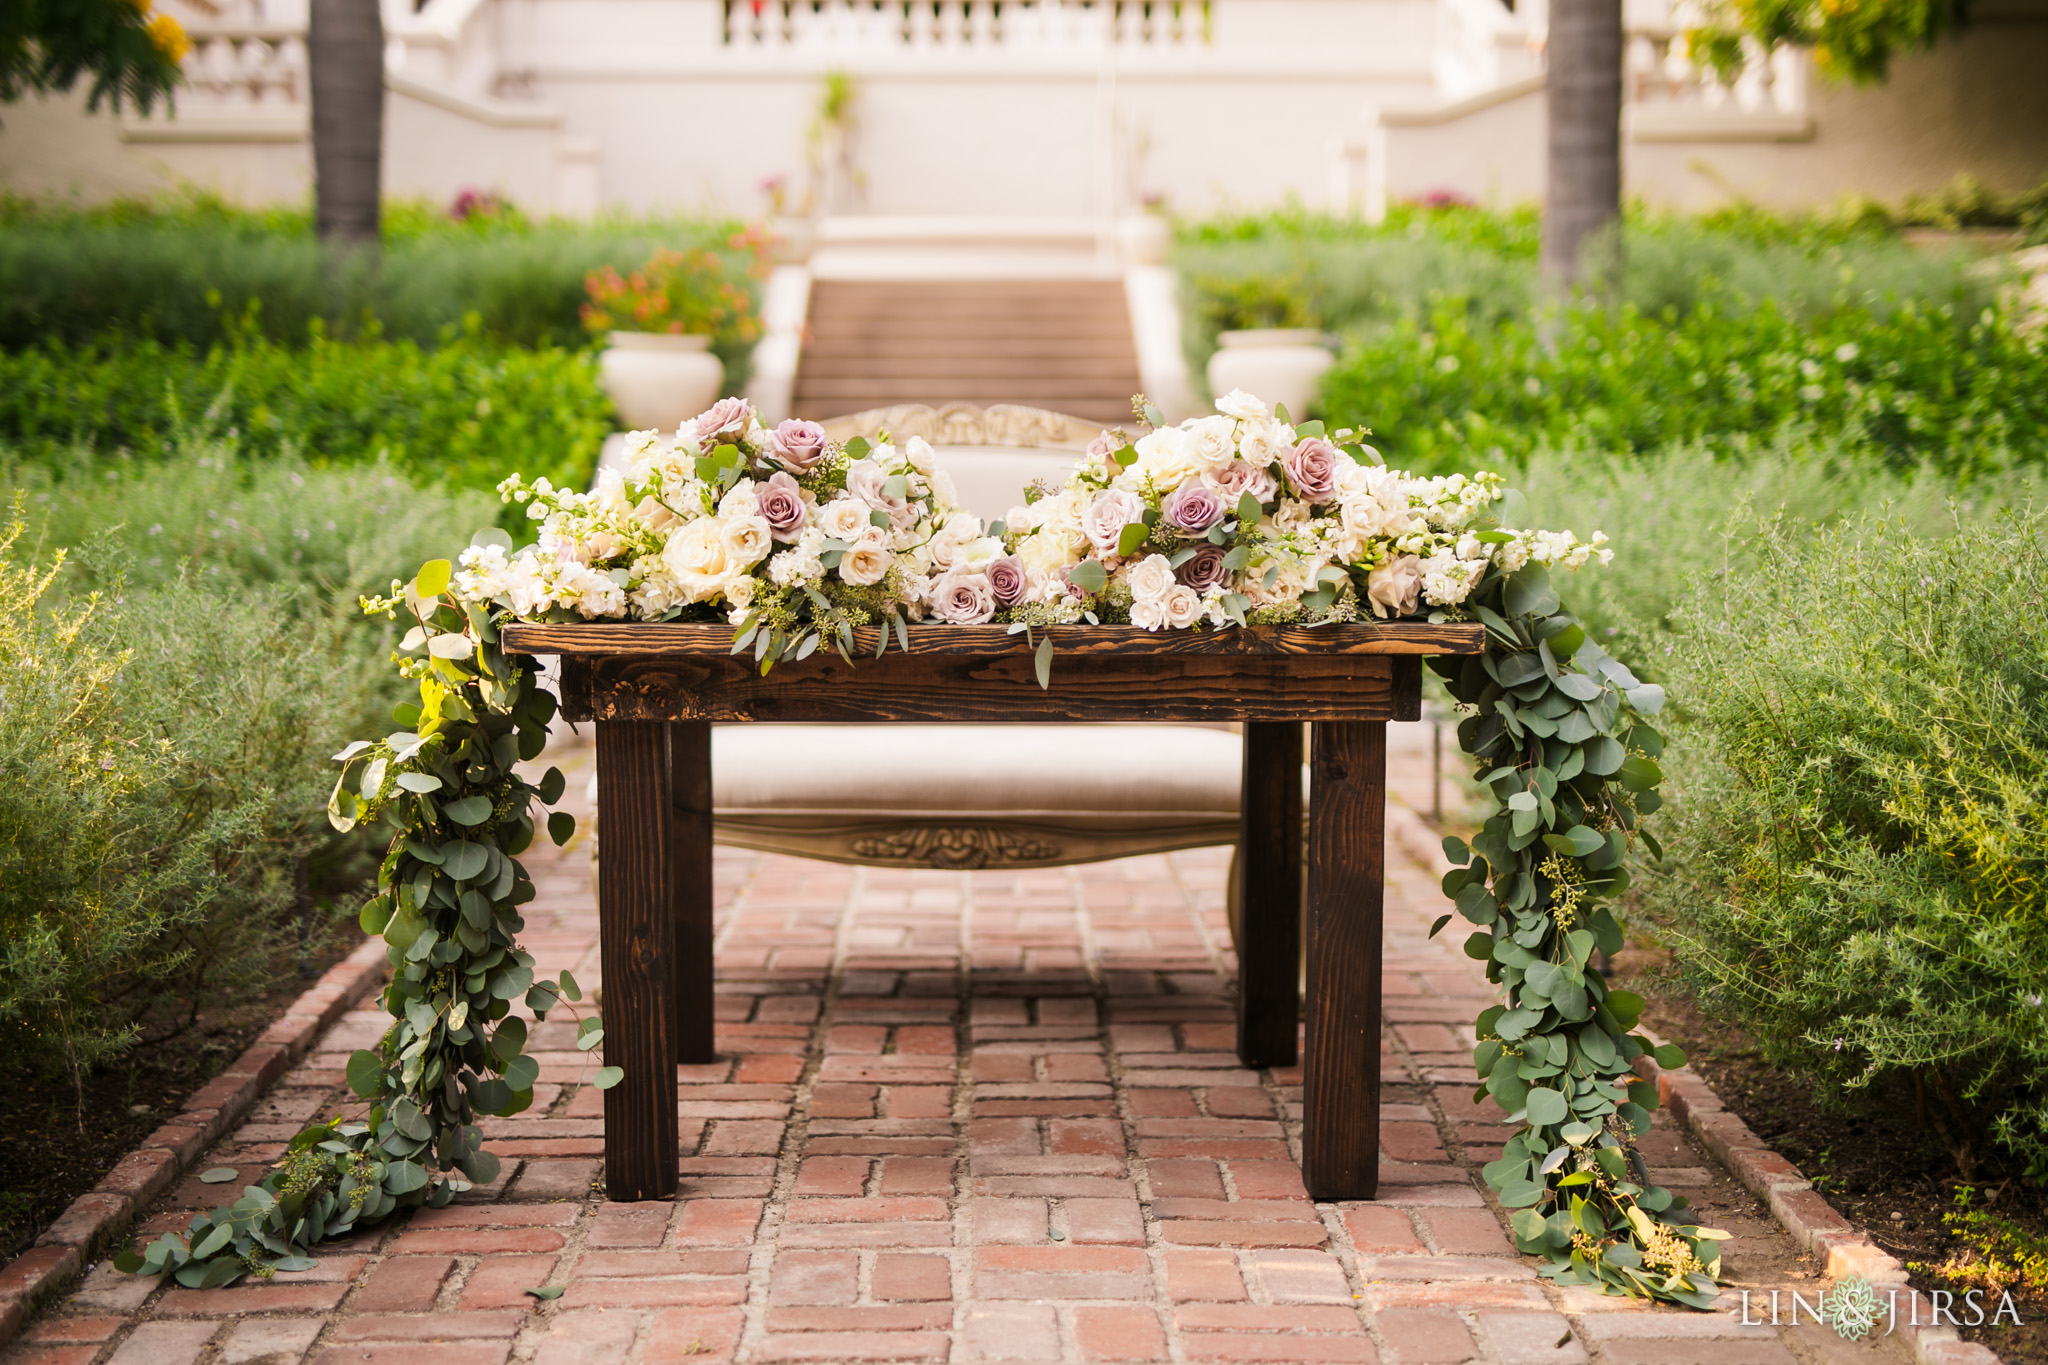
[[958, 1116]]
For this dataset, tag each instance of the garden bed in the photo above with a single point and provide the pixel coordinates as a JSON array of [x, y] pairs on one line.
[[52, 1151], [1880, 1165]]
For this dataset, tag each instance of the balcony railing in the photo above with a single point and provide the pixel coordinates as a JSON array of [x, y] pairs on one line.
[[957, 25]]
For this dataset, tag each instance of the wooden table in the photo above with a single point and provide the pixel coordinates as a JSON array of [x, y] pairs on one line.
[[654, 690]]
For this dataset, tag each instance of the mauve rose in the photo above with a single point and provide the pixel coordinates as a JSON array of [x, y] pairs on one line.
[[1238, 478], [782, 505], [726, 417], [797, 445], [1193, 507], [1007, 580], [1312, 469], [963, 599], [1104, 521], [1204, 569]]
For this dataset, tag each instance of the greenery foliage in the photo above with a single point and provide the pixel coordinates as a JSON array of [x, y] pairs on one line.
[[461, 415], [180, 652], [449, 790], [1857, 41], [1855, 868], [198, 271], [1559, 730]]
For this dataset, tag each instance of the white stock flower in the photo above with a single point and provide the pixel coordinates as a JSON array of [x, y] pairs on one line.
[[1239, 404]]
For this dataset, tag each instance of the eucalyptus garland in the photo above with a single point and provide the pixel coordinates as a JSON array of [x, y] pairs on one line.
[[447, 905], [1559, 730]]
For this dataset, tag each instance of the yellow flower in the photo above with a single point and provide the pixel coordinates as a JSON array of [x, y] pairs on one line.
[[168, 36]]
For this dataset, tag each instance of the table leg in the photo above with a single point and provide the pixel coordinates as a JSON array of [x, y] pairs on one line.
[[1269, 896], [636, 935], [1346, 849], [689, 748]]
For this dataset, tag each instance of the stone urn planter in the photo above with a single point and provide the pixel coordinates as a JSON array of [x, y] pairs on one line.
[[1144, 239], [1280, 364], [659, 379]]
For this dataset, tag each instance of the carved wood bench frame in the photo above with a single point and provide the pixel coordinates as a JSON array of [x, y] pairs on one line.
[[653, 691]]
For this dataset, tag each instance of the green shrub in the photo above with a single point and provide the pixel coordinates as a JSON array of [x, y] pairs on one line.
[[197, 271], [462, 415], [1859, 850], [1965, 393], [174, 690]]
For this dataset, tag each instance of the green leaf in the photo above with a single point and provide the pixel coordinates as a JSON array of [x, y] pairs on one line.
[[561, 825], [1131, 537], [218, 1175], [607, 1077], [1125, 456], [470, 810], [403, 1177], [1528, 592], [419, 782], [365, 1074], [1089, 576], [1041, 664], [1638, 773], [433, 578], [1528, 1225], [293, 1264], [569, 986], [1670, 1056], [1456, 850], [128, 1262], [463, 860], [1546, 1107], [1437, 928], [551, 784], [1604, 755], [547, 1291]]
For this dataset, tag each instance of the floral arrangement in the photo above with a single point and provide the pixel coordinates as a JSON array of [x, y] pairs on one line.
[[690, 292], [1234, 519]]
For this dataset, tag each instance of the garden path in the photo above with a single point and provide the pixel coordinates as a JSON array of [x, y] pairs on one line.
[[987, 1116]]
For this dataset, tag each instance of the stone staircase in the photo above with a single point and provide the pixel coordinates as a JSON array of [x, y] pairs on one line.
[[1060, 344]]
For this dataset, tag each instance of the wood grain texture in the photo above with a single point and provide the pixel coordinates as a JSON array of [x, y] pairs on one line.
[[648, 640], [899, 687], [1341, 1071], [1269, 895], [636, 936], [689, 750]]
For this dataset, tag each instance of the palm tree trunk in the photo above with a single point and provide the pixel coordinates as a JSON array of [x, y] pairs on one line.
[[1584, 93], [345, 46]]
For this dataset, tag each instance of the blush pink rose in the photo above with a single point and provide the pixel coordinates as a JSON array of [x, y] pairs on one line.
[[1312, 469], [797, 445], [963, 599], [1395, 588], [1104, 521], [726, 417], [1238, 478], [782, 505]]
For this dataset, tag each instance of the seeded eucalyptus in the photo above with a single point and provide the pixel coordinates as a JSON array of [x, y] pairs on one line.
[[1559, 731], [447, 900]]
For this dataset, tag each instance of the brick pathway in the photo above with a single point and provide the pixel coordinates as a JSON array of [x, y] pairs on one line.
[[964, 1116]]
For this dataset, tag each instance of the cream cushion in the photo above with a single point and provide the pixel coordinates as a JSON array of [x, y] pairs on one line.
[[989, 480]]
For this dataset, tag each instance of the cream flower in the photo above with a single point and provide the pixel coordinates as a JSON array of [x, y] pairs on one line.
[[1150, 578], [747, 540], [1183, 606], [1149, 613], [697, 558], [843, 518], [1212, 442], [1239, 404], [868, 561]]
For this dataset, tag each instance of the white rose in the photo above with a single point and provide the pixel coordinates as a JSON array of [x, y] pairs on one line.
[[1395, 588], [748, 540], [920, 453], [698, 560], [1241, 405], [739, 591], [844, 518], [946, 544], [1263, 443], [867, 562], [977, 554], [1060, 519], [1212, 442], [1183, 606], [944, 494], [1150, 578], [1166, 460], [1046, 553], [1111, 511], [1149, 613], [740, 500]]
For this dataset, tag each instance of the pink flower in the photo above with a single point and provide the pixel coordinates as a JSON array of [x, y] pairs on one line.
[[1104, 521], [1193, 507], [1006, 579], [797, 446], [963, 599], [1101, 451], [1395, 588], [1238, 478], [726, 417], [1312, 469], [782, 505], [1204, 569]]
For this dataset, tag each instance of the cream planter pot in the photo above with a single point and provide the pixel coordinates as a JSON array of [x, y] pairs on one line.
[[1279, 364], [1145, 239], [659, 379]]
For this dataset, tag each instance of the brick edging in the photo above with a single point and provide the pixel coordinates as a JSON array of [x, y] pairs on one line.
[[1841, 1247], [95, 1219]]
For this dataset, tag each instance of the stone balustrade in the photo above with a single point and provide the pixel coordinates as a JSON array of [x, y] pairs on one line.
[[944, 25]]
